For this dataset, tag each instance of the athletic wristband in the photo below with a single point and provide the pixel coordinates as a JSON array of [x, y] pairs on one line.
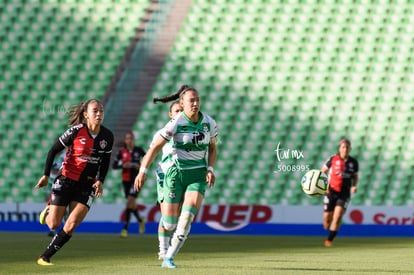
[[210, 168], [143, 170]]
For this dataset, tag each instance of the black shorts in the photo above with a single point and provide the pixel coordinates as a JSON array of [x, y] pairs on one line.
[[65, 190], [129, 189], [335, 199]]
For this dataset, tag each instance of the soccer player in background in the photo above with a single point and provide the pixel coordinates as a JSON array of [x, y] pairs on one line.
[[129, 159], [88, 155], [194, 135], [342, 172], [164, 236]]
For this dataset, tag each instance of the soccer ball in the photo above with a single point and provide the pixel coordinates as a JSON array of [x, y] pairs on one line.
[[314, 183]]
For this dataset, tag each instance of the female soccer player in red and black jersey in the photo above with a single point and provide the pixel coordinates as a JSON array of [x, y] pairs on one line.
[[129, 159], [342, 170], [88, 147]]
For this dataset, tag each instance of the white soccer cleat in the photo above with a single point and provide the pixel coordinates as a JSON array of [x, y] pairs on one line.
[[168, 263]]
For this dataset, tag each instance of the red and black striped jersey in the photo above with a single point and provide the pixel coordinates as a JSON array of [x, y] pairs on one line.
[[341, 172], [133, 156], [85, 154]]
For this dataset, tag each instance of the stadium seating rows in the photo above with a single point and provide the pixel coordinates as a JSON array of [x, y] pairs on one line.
[[272, 73], [302, 75], [53, 54]]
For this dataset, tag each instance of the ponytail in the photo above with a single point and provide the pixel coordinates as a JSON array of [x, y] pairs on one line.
[[183, 89], [76, 112]]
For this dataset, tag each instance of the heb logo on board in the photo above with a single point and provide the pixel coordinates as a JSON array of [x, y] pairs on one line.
[[233, 214], [224, 217], [233, 217], [357, 217]]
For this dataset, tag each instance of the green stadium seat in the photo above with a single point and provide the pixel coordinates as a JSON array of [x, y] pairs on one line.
[[302, 75], [38, 37]]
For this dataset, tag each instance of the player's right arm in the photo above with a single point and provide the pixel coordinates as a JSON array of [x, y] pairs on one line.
[[164, 136], [148, 160], [56, 148], [64, 141], [327, 165], [325, 168]]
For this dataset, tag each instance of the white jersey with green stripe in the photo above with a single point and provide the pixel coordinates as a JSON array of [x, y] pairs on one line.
[[190, 140], [166, 159]]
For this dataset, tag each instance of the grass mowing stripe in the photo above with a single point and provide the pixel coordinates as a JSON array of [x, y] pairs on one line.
[[108, 254]]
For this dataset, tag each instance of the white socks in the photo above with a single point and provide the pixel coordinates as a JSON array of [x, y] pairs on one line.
[[180, 234]]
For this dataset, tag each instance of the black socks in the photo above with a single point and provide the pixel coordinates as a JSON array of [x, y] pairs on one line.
[[130, 211], [332, 235], [57, 242]]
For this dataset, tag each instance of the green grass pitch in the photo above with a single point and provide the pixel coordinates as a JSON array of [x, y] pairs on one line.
[[108, 254]]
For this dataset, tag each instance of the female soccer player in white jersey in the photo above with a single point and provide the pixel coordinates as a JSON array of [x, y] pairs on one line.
[[194, 135], [164, 235]]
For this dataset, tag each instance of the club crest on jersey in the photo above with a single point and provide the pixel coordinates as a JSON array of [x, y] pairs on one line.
[[205, 127], [171, 195], [103, 143]]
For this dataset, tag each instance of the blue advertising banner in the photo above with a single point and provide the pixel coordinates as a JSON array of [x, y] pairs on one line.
[[350, 230]]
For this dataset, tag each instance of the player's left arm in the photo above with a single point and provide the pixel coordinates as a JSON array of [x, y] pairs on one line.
[[211, 161], [354, 187], [355, 178], [103, 168], [212, 153]]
